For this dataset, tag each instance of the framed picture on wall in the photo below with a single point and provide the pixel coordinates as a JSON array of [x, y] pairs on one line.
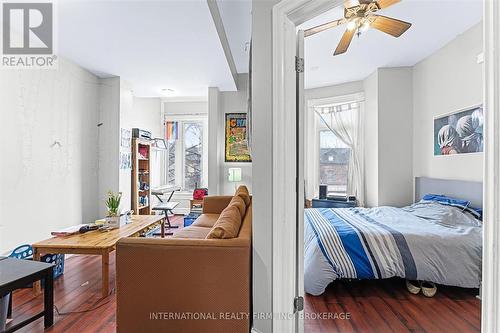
[[126, 137], [460, 132], [236, 146]]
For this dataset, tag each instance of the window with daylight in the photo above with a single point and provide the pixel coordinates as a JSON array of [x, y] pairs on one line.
[[193, 152], [187, 153], [334, 157]]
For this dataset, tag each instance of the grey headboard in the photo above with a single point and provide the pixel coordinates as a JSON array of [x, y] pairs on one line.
[[460, 189]]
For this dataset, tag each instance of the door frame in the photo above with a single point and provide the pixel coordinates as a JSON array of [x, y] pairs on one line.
[[286, 16], [490, 302], [283, 206]]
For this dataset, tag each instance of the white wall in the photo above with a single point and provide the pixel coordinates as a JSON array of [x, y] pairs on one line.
[[371, 146], [395, 137], [185, 107], [232, 102], [128, 120], [388, 137], [45, 186], [109, 140], [214, 148], [449, 80], [146, 114], [262, 119], [336, 90]]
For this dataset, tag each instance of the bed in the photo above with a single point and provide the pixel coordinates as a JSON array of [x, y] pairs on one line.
[[430, 240]]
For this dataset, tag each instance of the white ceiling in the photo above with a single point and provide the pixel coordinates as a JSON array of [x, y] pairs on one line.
[[434, 24], [237, 19], [154, 45]]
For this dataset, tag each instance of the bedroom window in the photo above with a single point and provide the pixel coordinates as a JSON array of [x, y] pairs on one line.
[[187, 153], [334, 158]]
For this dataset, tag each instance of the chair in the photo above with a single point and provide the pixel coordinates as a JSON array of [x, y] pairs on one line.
[[168, 206]]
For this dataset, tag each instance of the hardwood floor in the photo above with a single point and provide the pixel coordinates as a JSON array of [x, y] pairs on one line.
[[386, 306], [75, 292], [373, 306]]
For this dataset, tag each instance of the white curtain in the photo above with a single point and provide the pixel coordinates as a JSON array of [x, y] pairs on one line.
[[345, 122]]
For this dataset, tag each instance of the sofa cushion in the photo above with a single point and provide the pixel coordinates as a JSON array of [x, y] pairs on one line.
[[242, 191], [238, 202], [206, 220], [193, 232], [227, 225]]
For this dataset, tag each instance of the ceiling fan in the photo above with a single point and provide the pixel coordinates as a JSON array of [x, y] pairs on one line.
[[359, 15]]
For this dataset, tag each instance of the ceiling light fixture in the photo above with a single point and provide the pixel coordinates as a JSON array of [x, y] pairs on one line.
[[359, 16], [168, 92], [365, 26], [352, 25]]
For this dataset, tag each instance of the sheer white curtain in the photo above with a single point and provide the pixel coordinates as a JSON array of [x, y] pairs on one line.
[[345, 121]]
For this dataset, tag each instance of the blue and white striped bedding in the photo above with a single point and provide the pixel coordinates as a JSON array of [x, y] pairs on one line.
[[425, 241]]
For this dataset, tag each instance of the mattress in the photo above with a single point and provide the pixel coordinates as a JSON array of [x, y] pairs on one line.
[[425, 241]]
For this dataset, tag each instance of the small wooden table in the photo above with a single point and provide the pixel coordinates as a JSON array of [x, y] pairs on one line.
[[15, 274], [97, 243]]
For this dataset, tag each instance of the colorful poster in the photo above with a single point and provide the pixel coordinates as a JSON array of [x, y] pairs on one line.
[[172, 132], [236, 138], [460, 132]]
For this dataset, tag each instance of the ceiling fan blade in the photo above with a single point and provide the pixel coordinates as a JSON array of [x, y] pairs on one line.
[[323, 27], [391, 26], [386, 3], [344, 42]]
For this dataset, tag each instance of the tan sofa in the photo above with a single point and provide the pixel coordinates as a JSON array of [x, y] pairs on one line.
[[186, 283]]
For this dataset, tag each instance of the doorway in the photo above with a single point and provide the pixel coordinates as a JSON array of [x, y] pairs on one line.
[[286, 16]]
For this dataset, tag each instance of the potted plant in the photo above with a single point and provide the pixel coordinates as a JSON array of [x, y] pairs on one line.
[[113, 205]]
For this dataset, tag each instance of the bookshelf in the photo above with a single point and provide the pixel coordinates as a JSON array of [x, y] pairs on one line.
[[141, 176]]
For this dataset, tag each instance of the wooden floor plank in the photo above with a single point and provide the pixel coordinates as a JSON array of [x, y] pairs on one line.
[[379, 306], [326, 325], [344, 325]]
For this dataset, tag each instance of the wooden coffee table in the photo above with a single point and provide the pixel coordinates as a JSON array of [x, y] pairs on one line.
[[97, 243]]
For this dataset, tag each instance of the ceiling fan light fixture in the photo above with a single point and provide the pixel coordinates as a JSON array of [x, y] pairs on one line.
[[359, 16], [365, 26], [352, 25]]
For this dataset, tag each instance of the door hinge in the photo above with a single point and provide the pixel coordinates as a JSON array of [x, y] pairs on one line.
[[299, 64], [298, 304]]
